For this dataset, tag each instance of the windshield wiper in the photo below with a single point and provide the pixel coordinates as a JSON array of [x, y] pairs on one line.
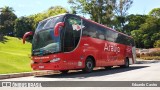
[[41, 52], [46, 52]]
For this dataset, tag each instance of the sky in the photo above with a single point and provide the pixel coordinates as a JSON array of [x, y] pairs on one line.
[[30, 7]]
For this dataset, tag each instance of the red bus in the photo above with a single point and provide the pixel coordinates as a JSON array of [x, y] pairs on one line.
[[70, 42]]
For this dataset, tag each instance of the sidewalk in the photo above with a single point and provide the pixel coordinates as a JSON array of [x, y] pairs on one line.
[[141, 61]]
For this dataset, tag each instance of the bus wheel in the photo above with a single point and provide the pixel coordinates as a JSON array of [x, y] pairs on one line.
[[108, 67], [88, 65], [64, 71], [126, 65]]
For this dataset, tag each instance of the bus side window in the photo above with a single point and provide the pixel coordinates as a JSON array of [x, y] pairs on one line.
[[101, 33], [93, 30], [89, 29], [132, 42], [85, 31], [110, 35], [101, 36], [119, 39], [92, 33]]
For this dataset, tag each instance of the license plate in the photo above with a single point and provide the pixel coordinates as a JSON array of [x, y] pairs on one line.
[[41, 66]]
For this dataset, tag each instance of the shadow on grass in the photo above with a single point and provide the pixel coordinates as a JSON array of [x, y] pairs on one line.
[[3, 39], [95, 73]]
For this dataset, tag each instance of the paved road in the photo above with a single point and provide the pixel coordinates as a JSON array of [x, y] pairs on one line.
[[136, 72]]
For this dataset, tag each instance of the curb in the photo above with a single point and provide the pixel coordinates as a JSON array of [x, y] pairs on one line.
[[26, 74], [15, 75], [146, 61]]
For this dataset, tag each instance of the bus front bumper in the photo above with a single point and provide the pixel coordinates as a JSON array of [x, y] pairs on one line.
[[48, 66]]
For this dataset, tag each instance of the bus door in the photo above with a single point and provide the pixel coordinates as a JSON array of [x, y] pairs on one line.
[[71, 40]]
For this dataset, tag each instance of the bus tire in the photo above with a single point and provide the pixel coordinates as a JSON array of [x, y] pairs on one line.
[[126, 65], [64, 71], [88, 65]]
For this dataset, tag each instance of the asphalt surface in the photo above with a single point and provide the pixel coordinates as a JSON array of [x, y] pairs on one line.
[[136, 72]]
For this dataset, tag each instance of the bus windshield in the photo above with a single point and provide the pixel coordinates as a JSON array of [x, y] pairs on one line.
[[44, 41], [49, 23]]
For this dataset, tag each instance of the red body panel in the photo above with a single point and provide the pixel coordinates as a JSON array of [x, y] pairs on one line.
[[105, 54]]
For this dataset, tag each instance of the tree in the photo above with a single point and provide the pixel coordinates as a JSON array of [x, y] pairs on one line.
[[137, 35], [22, 25], [157, 44], [100, 11], [7, 18], [150, 32], [155, 12], [147, 33], [52, 11], [134, 22], [121, 8]]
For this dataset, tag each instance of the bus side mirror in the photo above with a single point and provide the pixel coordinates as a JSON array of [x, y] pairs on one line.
[[57, 27], [26, 35]]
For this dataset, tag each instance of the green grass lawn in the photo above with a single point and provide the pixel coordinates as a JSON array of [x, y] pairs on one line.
[[14, 56]]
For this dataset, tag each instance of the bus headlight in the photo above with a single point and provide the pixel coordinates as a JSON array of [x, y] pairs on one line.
[[32, 61], [55, 60]]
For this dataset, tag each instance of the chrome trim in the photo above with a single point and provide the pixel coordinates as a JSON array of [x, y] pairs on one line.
[[86, 44]]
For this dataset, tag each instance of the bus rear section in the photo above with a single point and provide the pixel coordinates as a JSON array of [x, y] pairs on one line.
[[109, 47]]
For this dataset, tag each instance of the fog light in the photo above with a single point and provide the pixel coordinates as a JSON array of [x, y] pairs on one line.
[[32, 61], [55, 60]]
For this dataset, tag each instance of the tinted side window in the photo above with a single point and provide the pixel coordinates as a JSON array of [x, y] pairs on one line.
[[130, 42], [133, 43], [111, 35], [89, 30], [101, 33], [120, 39], [96, 31], [93, 30], [124, 40]]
